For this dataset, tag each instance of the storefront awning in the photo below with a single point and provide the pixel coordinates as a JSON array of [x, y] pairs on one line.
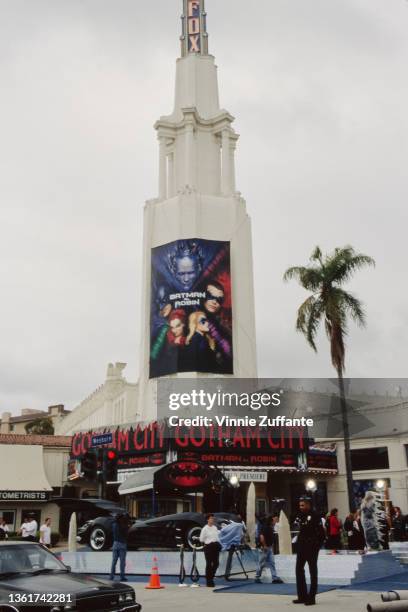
[[22, 469], [140, 481]]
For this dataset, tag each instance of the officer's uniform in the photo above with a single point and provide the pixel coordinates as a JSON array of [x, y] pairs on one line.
[[309, 541]]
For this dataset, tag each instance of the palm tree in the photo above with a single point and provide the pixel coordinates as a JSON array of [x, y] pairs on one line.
[[325, 277]]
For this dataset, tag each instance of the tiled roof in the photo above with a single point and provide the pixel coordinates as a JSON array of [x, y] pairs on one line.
[[56, 441]]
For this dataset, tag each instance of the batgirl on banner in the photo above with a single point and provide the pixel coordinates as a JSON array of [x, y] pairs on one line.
[[191, 310]]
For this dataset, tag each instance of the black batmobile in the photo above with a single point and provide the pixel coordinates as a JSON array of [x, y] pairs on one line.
[[168, 531], [32, 578]]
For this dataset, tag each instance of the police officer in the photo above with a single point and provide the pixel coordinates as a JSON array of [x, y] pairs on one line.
[[310, 539]]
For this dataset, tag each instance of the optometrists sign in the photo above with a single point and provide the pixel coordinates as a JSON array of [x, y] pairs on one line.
[[38, 496], [191, 309]]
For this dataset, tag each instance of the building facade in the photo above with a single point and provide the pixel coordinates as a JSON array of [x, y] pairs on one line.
[[34, 471], [379, 453], [197, 271], [17, 424]]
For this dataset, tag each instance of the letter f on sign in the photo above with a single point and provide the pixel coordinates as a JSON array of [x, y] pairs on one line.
[[193, 8]]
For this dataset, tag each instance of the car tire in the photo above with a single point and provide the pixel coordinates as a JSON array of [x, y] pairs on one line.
[[192, 536], [98, 538]]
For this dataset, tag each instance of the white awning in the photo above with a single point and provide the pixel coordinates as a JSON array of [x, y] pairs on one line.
[[22, 468], [140, 481]]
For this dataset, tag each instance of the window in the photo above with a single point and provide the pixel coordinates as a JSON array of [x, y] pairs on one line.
[[370, 459], [260, 507], [406, 452]]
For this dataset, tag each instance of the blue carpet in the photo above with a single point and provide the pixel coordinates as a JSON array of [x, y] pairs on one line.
[[390, 583], [267, 588]]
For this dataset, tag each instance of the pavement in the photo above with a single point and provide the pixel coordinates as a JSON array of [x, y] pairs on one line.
[[173, 598]]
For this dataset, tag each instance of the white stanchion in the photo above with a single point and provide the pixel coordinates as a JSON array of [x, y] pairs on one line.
[[194, 574], [182, 572]]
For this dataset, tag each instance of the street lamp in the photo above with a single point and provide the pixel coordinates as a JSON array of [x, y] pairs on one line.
[[311, 486], [234, 481], [380, 484]]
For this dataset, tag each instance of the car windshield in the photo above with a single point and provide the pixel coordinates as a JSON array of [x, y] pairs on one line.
[[28, 558]]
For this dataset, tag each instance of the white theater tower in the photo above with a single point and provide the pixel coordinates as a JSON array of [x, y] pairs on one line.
[[197, 193]]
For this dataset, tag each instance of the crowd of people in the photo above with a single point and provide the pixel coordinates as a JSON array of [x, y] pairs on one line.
[[351, 535], [313, 531], [29, 530]]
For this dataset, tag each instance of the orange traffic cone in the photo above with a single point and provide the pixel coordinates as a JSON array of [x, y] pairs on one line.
[[154, 577]]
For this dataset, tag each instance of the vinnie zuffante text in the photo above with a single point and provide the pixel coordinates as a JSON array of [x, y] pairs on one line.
[[246, 421]]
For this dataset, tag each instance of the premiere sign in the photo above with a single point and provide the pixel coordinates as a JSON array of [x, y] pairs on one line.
[[246, 476]]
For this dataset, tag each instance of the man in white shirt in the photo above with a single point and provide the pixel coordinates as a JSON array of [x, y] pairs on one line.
[[210, 538], [45, 533], [28, 529]]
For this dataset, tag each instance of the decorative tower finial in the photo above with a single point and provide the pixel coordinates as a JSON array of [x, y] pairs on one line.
[[194, 38]]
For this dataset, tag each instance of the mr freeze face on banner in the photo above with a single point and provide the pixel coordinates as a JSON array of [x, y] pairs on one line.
[[191, 310]]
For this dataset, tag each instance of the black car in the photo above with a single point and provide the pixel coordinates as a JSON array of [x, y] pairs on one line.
[[30, 573], [162, 532], [86, 509]]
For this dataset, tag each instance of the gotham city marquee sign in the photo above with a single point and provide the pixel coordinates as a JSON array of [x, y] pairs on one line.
[[155, 438]]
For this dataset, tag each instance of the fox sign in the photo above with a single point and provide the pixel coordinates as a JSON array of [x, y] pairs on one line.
[[194, 25]]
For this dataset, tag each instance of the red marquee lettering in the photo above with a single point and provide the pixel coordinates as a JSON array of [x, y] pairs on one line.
[[222, 436], [182, 442], [271, 442], [123, 440], [252, 433], [136, 443], [197, 442], [239, 438], [161, 431], [76, 445]]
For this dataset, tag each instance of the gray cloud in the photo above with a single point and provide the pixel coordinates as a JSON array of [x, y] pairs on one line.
[[320, 93]]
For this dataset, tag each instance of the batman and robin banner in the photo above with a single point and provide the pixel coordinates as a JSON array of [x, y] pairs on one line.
[[191, 308]]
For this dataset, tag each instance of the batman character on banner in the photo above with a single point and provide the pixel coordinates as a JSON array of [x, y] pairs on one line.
[[191, 310]]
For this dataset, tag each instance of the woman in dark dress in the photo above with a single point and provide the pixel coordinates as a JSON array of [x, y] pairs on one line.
[[201, 347], [348, 528], [398, 525], [357, 539]]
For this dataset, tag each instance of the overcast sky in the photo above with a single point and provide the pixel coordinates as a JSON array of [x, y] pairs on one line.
[[319, 89]]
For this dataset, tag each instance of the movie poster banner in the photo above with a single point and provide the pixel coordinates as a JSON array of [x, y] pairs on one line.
[[191, 308]]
